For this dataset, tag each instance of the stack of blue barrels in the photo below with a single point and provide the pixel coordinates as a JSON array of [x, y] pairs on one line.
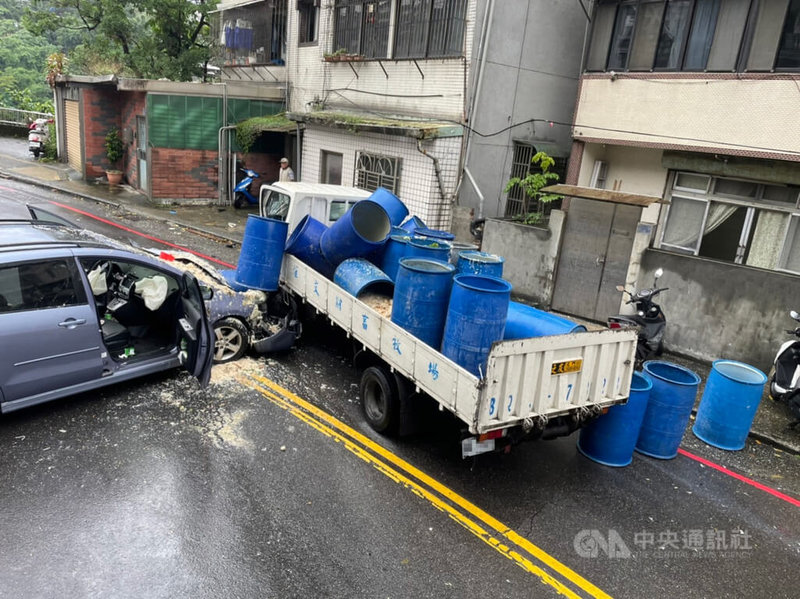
[[449, 295]]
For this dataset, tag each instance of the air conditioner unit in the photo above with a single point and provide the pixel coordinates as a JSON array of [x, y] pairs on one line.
[[599, 173]]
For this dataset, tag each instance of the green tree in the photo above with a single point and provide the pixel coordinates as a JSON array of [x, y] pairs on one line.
[[532, 185], [141, 38]]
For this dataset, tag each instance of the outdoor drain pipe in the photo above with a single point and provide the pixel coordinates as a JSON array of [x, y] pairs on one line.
[[437, 169], [222, 182]]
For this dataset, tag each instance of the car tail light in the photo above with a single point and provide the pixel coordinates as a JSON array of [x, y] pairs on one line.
[[492, 435]]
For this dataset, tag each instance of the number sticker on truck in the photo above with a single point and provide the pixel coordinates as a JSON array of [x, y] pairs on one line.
[[566, 366]]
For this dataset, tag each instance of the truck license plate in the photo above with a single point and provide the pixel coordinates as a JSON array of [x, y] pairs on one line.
[[566, 366]]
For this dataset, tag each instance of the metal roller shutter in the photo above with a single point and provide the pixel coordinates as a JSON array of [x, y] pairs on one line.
[[73, 119]]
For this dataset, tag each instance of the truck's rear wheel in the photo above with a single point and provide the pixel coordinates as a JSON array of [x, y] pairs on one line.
[[379, 399]]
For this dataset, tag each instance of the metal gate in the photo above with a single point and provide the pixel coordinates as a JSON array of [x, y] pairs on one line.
[[594, 259], [73, 129]]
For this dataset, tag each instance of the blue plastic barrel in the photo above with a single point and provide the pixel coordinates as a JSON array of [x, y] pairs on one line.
[[395, 250], [435, 249], [304, 244], [395, 208], [261, 256], [357, 276], [230, 279], [480, 263], [434, 233], [668, 410], [412, 224], [729, 403], [456, 247], [526, 321], [421, 296], [360, 231], [610, 439], [476, 317]]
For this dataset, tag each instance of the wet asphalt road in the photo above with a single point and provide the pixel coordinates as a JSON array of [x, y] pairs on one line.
[[159, 489]]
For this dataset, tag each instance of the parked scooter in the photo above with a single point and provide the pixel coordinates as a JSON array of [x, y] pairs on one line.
[[649, 319], [241, 193], [784, 384], [37, 136]]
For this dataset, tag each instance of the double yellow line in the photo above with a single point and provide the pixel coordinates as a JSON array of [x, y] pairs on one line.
[[489, 530]]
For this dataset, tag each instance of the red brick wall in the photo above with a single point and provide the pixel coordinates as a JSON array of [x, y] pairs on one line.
[[101, 112], [184, 174]]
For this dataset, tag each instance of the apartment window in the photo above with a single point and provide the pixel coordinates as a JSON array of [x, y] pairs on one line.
[[253, 34], [331, 171], [373, 171], [308, 21], [733, 220], [685, 35], [430, 28], [362, 27], [789, 47], [517, 202]]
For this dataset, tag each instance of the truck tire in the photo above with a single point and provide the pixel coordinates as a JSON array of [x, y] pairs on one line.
[[379, 399]]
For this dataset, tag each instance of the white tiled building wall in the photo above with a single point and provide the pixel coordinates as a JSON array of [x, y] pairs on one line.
[[434, 88], [419, 189]]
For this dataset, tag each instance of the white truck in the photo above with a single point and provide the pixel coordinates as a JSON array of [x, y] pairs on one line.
[[291, 201], [541, 387]]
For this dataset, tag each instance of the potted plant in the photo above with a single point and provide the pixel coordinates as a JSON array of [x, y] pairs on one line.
[[114, 153]]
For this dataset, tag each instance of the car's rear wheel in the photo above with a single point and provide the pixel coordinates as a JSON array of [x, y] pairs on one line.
[[231, 340]]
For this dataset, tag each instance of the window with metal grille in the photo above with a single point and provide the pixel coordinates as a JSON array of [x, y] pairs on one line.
[[253, 34], [362, 28], [308, 21], [373, 171], [517, 202], [430, 28]]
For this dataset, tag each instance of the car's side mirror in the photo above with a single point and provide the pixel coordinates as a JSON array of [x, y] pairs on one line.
[[206, 292]]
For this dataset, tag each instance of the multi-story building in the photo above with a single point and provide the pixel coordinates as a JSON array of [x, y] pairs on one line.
[[440, 101], [696, 102]]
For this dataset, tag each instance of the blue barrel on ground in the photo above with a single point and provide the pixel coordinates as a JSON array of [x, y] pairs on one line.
[[668, 410], [524, 322], [476, 318], [304, 244], [261, 256], [394, 207], [361, 231], [434, 233], [357, 276], [412, 224], [729, 403], [395, 250], [435, 249], [421, 297], [610, 439], [457, 247], [480, 263]]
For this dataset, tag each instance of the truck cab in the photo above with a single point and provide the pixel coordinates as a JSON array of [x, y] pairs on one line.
[[292, 201]]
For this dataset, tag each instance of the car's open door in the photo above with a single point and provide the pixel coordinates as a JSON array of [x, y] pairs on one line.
[[195, 330]]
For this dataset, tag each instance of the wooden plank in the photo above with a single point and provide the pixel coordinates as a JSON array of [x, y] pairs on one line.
[[603, 195]]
